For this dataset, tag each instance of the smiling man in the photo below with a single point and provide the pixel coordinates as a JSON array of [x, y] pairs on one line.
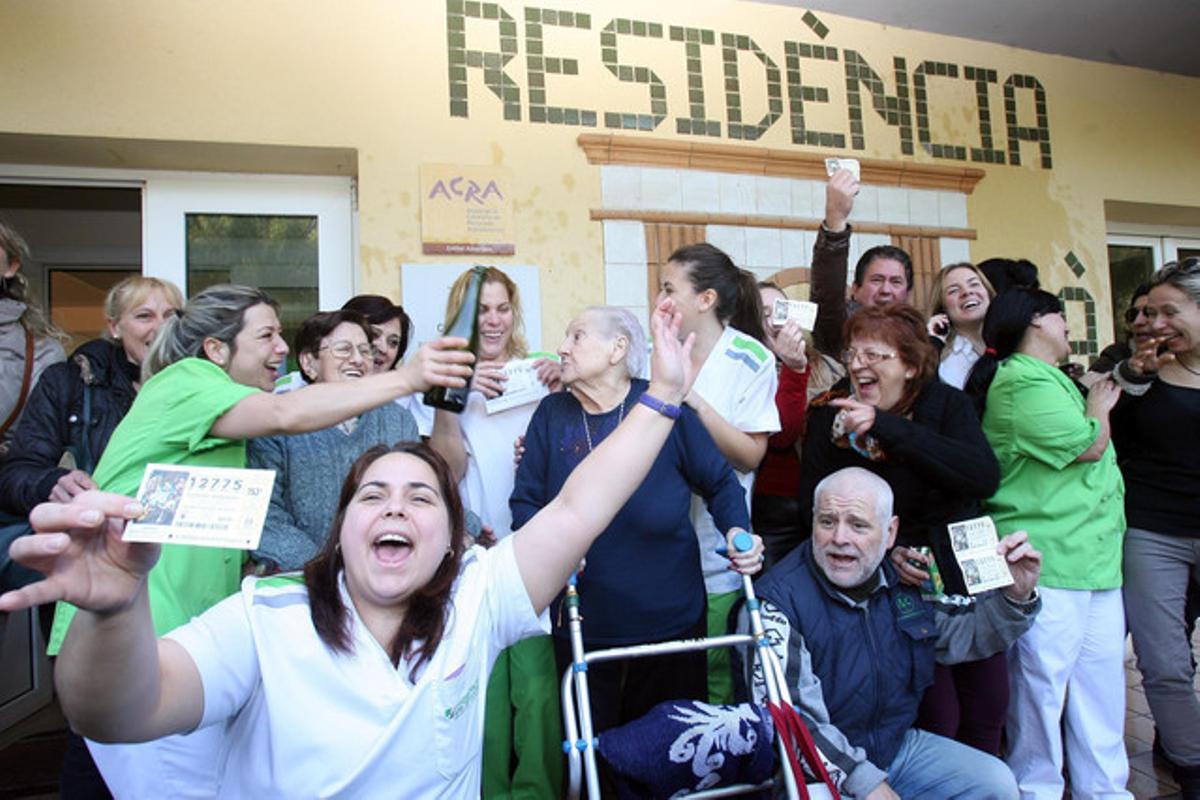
[[858, 647]]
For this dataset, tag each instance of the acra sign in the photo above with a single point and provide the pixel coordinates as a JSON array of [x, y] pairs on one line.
[[905, 105]]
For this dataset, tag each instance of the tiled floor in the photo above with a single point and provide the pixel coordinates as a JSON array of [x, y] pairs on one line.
[[1148, 776], [28, 768]]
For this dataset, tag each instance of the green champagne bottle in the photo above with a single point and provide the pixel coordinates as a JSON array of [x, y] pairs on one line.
[[464, 325]]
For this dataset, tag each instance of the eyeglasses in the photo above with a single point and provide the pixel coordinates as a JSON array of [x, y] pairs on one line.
[[343, 349], [869, 357], [1131, 314]]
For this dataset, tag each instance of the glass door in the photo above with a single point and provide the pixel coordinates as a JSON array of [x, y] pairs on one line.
[[1131, 262], [290, 236]]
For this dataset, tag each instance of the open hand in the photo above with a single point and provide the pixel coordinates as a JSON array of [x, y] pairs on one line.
[[78, 547], [1024, 563], [671, 369]]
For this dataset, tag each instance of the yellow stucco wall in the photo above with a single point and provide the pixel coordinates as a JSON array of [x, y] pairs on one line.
[[372, 75]]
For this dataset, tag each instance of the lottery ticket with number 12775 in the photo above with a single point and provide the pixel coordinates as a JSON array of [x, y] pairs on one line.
[[204, 506]]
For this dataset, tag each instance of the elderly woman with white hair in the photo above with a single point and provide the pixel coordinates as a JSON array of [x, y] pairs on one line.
[[643, 581]]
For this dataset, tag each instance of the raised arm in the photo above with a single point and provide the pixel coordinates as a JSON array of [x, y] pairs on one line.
[[551, 544], [441, 362], [116, 682]]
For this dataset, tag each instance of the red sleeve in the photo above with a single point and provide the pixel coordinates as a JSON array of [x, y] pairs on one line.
[[791, 399]]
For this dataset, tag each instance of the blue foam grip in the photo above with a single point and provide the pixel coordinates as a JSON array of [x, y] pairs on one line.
[[743, 542]]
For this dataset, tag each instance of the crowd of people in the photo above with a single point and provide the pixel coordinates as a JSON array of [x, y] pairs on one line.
[[398, 630]]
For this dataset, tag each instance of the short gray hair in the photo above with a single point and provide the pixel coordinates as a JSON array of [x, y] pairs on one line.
[[621, 322], [218, 312], [1184, 275], [884, 498]]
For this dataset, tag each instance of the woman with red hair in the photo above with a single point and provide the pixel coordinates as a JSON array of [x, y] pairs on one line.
[[893, 416]]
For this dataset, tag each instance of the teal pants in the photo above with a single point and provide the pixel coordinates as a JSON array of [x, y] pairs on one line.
[[522, 729]]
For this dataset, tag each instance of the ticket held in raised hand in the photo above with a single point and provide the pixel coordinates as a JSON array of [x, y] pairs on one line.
[[804, 312], [832, 165]]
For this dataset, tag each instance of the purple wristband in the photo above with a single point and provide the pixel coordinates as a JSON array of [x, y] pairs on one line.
[[666, 409]]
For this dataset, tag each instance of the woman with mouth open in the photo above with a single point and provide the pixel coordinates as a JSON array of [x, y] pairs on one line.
[[924, 438], [959, 301], [364, 679], [1060, 482], [207, 387], [331, 347]]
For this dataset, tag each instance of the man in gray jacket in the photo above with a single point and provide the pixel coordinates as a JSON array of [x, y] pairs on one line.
[[858, 647]]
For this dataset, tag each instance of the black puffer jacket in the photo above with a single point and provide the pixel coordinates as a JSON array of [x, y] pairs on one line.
[[54, 422]]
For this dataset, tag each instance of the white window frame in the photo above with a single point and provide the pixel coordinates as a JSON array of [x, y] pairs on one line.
[[168, 196]]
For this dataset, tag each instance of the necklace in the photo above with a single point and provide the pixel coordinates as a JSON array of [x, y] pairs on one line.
[[1192, 370], [587, 431]]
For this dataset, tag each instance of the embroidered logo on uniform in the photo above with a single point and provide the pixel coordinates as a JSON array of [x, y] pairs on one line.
[[455, 711], [906, 606], [748, 351]]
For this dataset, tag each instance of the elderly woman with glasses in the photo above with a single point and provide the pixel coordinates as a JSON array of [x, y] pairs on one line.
[[643, 580], [895, 418], [332, 347]]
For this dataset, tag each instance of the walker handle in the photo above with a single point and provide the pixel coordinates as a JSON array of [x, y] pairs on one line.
[[742, 543]]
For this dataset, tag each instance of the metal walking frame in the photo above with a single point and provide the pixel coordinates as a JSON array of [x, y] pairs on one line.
[[580, 742]]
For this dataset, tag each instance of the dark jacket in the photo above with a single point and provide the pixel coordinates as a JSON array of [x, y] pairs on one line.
[[939, 465], [857, 670], [56, 421]]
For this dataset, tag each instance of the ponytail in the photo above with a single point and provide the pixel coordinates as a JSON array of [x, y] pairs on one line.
[[738, 302], [1009, 316], [218, 312]]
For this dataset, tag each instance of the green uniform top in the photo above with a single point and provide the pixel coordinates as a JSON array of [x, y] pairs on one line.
[[1074, 511], [169, 423]]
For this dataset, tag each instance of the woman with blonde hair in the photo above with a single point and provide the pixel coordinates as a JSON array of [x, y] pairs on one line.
[[29, 342], [517, 715], [958, 302]]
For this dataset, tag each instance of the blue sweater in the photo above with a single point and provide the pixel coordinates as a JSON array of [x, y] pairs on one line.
[[309, 470], [642, 581]]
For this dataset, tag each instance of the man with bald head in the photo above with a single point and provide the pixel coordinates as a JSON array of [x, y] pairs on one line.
[[858, 647]]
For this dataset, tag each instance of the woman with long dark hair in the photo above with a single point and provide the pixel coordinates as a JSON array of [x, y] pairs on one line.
[[365, 677], [1059, 481], [207, 387], [734, 395]]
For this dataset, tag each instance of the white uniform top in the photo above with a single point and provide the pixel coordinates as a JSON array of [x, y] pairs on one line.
[[301, 720], [738, 380], [957, 361]]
